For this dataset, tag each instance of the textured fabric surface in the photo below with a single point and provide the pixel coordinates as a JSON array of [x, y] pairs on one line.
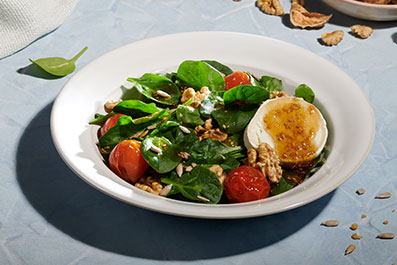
[[23, 21]]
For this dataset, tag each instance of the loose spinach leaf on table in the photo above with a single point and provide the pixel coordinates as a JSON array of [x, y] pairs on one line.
[[220, 67], [188, 116], [210, 102], [58, 66], [246, 93], [100, 119], [136, 108], [164, 161], [233, 120], [200, 182], [149, 84], [305, 92], [198, 74]]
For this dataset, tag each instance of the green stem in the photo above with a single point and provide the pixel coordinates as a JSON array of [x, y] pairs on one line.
[[74, 59]]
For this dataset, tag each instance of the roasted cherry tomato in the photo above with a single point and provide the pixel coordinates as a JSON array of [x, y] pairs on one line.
[[109, 123], [236, 79], [126, 160], [244, 184]]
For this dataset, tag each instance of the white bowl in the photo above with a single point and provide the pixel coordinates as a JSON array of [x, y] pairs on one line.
[[364, 10], [344, 105]]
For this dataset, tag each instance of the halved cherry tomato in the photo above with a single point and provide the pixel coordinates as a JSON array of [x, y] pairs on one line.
[[236, 79], [244, 184], [109, 123], [127, 162]]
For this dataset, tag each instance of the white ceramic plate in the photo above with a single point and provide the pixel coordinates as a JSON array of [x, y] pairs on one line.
[[364, 10], [350, 117]]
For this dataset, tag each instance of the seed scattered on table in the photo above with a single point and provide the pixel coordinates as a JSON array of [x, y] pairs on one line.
[[363, 216], [385, 236], [350, 249], [330, 223], [360, 191], [354, 227], [385, 222], [356, 236], [385, 195]]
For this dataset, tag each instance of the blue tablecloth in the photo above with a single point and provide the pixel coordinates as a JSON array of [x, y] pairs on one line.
[[48, 215]]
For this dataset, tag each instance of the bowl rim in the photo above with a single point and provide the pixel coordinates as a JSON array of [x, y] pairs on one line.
[[363, 4]]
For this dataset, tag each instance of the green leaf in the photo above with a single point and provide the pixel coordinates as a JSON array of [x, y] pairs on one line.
[[163, 126], [198, 74], [246, 93], [188, 115], [210, 102], [271, 83], [164, 161], [149, 84], [136, 108], [305, 92], [281, 187], [100, 119], [198, 185], [220, 67], [58, 66], [233, 120]]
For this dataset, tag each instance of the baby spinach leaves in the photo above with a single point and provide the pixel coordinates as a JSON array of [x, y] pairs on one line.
[[58, 66], [281, 187], [136, 108], [233, 120], [198, 74], [163, 161], [198, 185], [149, 84], [188, 115], [246, 93], [210, 102], [220, 67], [271, 83], [305, 92], [100, 119]]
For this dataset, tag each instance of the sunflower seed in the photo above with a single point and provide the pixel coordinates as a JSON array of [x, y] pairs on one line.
[[354, 226], [165, 190], [179, 169], [202, 198], [151, 127], [143, 134], [363, 216], [163, 94], [385, 222], [385, 236], [184, 155], [184, 129], [385, 195], [330, 223], [360, 191], [194, 164], [155, 149], [356, 236], [171, 111], [350, 249]]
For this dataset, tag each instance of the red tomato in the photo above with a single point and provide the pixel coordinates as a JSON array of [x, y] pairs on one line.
[[127, 162], [236, 79], [109, 123], [244, 184]]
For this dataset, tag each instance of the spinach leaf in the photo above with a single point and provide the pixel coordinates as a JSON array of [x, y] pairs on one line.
[[271, 83], [100, 119], [233, 120], [135, 108], [220, 67], [188, 115], [210, 102], [281, 187], [164, 161], [152, 117], [305, 92], [198, 185], [163, 126], [58, 66], [149, 84], [198, 74], [246, 93]]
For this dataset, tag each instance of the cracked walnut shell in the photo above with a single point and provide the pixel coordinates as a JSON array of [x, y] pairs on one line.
[[332, 38], [271, 7], [362, 31], [301, 18]]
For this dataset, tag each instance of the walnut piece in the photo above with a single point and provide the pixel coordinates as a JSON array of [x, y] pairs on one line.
[[197, 96], [208, 132], [277, 94], [265, 159], [218, 170], [301, 18], [300, 2], [110, 104], [379, 2], [271, 7], [149, 184], [362, 31], [332, 38]]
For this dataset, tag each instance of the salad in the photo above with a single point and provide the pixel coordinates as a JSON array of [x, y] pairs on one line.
[[208, 134]]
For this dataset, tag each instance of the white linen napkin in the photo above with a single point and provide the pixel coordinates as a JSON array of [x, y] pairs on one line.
[[23, 21]]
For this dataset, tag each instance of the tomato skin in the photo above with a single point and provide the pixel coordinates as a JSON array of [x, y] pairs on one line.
[[127, 162], [236, 79], [109, 123], [244, 184]]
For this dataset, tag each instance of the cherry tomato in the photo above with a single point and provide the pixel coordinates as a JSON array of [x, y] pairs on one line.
[[236, 79], [126, 160], [244, 184], [109, 123]]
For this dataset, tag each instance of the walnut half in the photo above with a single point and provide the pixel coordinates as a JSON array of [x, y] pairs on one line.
[[332, 38], [362, 31], [208, 132], [301, 18], [271, 7]]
